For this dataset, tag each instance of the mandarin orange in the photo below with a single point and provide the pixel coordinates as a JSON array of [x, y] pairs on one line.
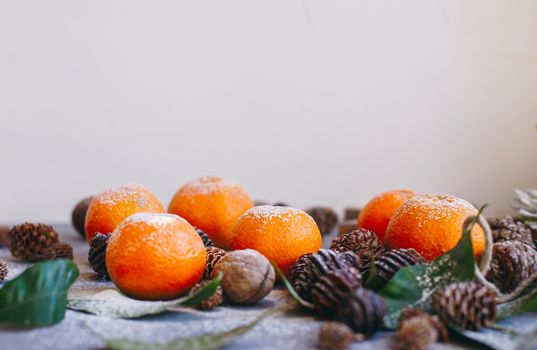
[[282, 234], [109, 208], [376, 214], [432, 224], [213, 205], [155, 256]]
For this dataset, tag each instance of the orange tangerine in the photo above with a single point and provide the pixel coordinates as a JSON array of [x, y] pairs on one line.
[[213, 205], [432, 224], [376, 214], [155, 256], [109, 208], [282, 234]]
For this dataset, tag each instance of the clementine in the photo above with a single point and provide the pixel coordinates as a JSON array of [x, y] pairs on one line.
[[155, 256]]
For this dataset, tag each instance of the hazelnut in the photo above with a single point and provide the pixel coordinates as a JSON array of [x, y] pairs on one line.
[[248, 276]]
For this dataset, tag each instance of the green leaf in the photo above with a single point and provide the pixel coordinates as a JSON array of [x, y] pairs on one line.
[[38, 296], [415, 285], [201, 342], [111, 303], [291, 290]]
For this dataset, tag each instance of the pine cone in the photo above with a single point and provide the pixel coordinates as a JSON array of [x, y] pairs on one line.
[[417, 330], [325, 218], [335, 296], [216, 299], [78, 216], [29, 241], [335, 335], [363, 242], [214, 254], [3, 270], [468, 305], [4, 236], [307, 270], [506, 229], [204, 237], [388, 264], [512, 263], [59, 250], [97, 255]]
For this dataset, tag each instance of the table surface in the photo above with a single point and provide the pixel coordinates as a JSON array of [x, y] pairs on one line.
[[292, 328]]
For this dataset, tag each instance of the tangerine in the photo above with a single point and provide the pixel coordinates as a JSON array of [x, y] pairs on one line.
[[213, 205], [376, 214], [282, 234], [109, 208], [432, 224], [155, 256]]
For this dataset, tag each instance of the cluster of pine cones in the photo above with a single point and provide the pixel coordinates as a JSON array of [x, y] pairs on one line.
[[331, 279]]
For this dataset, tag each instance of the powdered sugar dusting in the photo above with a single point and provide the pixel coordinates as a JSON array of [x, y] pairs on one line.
[[269, 212], [127, 192], [208, 184], [154, 219], [439, 206]]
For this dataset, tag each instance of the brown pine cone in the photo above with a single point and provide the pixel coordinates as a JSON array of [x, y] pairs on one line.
[[4, 236], [59, 250], [335, 335], [388, 264], [214, 254], [78, 216], [468, 305], [216, 299], [512, 263], [335, 296], [325, 218], [507, 229], [417, 330], [363, 242], [204, 237], [29, 241], [307, 270], [97, 255], [3, 270]]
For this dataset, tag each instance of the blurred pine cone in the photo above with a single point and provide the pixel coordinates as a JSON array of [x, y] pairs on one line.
[[59, 250], [97, 255], [468, 305], [506, 229], [3, 270], [363, 242], [325, 218], [336, 296], [417, 330], [388, 264], [309, 268], [512, 263], [216, 299], [204, 237], [335, 335], [30, 241]]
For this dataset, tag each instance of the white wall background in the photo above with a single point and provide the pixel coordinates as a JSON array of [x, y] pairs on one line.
[[311, 102]]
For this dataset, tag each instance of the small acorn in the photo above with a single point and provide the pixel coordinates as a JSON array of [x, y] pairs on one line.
[[334, 335], [78, 216], [248, 276]]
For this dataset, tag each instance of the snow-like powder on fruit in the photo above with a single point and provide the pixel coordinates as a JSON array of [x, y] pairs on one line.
[[208, 185], [269, 212], [438, 206], [124, 193], [154, 219]]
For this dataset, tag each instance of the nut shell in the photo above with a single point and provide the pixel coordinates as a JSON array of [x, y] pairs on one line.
[[248, 276]]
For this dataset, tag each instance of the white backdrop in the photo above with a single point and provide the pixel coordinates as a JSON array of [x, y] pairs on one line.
[[310, 102]]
